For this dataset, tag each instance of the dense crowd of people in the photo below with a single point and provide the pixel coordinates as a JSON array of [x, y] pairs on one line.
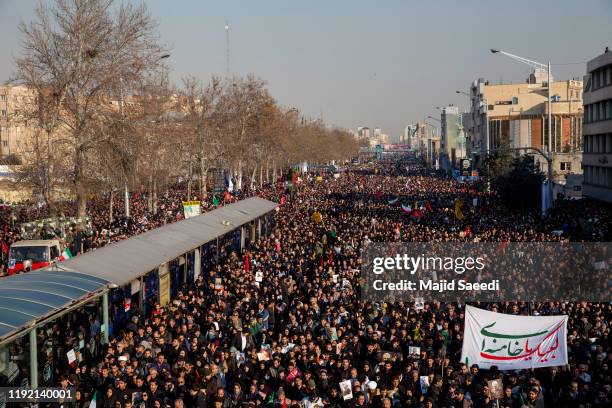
[[106, 226], [287, 326]]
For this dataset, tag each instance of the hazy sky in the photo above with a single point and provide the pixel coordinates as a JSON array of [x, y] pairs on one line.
[[360, 62]]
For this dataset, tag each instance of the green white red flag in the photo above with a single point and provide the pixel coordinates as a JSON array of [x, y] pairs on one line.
[[513, 342], [65, 255]]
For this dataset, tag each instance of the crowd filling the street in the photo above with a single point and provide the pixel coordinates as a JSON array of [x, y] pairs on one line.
[[283, 324]]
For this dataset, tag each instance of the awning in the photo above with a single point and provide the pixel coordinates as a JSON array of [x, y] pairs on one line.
[[124, 261], [29, 297]]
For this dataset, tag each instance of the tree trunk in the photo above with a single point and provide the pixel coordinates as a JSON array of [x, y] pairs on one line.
[[110, 207], [273, 171], [126, 199], [239, 176], [79, 183], [267, 170], [204, 180], [150, 195], [203, 172], [154, 195], [189, 180], [254, 176], [261, 176], [48, 193]]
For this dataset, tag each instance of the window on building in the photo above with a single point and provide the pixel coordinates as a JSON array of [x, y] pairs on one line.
[[576, 133], [2, 97], [514, 100], [556, 134], [565, 166], [5, 143], [587, 113], [2, 112]]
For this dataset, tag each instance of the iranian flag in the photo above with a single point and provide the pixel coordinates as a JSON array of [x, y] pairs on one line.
[[93, 402], [513, 342], [65, 255]]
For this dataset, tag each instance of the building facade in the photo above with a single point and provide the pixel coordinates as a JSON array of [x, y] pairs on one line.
[[516, 116], [597, 156], [13, 131], [363, 132], [373, 138], [452, 137]]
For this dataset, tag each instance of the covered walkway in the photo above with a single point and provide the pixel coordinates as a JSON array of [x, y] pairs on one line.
[[155, 259]]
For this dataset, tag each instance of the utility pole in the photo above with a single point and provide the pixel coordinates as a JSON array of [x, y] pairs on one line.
[[538, 66], [126, 190], [227, 49]]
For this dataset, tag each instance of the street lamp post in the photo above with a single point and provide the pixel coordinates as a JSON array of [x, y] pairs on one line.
[[465, 134], [430, 143], [438, 158], [546, 67]]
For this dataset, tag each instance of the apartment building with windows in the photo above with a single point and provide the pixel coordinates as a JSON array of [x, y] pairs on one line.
[[597, 156], [13, 131], [516, 115]]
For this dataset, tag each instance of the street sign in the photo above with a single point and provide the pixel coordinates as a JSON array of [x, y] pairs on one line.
[[216, 180]]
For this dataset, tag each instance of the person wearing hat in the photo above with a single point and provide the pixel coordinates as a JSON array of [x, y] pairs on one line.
[[323, 381]]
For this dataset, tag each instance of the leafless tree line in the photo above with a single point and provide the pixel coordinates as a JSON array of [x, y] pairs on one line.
[[107, 118]]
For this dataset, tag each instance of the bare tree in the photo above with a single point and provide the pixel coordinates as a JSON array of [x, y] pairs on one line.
[[81, 53]]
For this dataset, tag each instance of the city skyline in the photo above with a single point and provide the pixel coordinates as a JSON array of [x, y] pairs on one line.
[[354, 63]]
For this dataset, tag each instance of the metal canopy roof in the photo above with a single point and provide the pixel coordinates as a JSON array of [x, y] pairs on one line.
[[129, 259], [31, 298], [26, 298]]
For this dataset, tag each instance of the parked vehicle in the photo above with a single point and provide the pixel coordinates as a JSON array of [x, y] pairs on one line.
[[33, 254], [45, 243]]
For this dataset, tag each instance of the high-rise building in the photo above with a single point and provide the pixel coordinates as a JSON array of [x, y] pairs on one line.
[[597, 155], [516, 116], [409, 134], [377, 133], [363, 132], [453, 138]]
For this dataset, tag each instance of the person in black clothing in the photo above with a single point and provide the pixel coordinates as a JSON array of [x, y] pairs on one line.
[[324, 331]]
